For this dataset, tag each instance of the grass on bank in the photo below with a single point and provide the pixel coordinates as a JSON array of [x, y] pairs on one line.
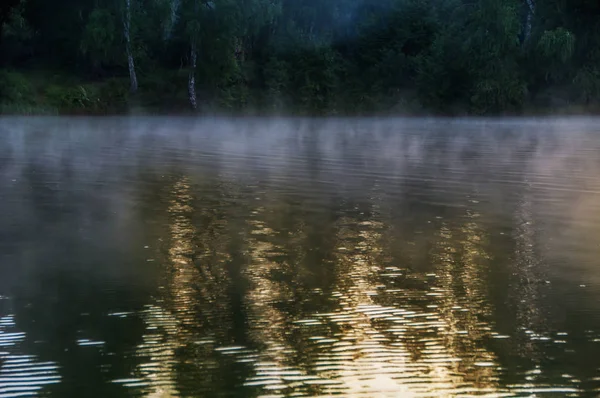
[[165, 92], [44, 93]]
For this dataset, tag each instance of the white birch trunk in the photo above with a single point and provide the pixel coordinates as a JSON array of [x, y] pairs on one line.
[[530, 13], [130, 60], [173, 17], [192, 76]]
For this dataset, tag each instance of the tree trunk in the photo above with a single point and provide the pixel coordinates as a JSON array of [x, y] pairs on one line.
[[192, 76], [173, 17], [530, 13], [130, 60]]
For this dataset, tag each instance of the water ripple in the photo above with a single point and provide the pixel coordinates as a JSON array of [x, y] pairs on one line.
[[413, 258], [21, 375]]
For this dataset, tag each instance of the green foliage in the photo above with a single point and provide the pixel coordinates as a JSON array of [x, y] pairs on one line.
[[162, 88], [26, 109], [51, 94], [69, 98], [587, 82], [15, 88], [442, 77], [99, 41], [17, 27], [314, 79], [555, 49], [557, 44], [504, 91], [234, 94], [277, 80], [308, 55], [15, 35], [112, 95]]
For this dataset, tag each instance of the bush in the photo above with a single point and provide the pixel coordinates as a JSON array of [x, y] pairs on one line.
[[276, 79], [70, 98], [587, 82], [164, 89], [497, 94], [15, 88], [113, 94]]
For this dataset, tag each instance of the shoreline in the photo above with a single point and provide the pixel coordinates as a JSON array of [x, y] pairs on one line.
[[573, 111], [43, 93], [238, 116]]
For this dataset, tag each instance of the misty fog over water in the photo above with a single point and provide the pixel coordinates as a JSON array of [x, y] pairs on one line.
[[169, 257]]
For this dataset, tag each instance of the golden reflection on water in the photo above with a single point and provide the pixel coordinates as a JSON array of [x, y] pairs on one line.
[[395, 348], [378, 342], [460, 293], [362, 358], [189, 308], [383, 328], [273, 370], [171, 314]]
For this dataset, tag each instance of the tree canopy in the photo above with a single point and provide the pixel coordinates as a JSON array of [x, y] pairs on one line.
[[335, 56]]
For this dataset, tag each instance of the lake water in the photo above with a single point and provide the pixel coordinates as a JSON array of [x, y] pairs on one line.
[[173, 257]]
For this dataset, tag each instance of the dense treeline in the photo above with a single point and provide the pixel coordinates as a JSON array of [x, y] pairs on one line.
[[334, 56]]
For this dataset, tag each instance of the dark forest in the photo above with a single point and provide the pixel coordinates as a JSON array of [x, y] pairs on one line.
[[335, 57]]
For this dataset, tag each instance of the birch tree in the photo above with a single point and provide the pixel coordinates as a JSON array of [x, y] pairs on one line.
[[172, 17], [529, 19], [251, 17], [128, 46], [193, 10], [192, 73]]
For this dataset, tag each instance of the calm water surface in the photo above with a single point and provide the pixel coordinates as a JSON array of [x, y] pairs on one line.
[[165, 257]]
